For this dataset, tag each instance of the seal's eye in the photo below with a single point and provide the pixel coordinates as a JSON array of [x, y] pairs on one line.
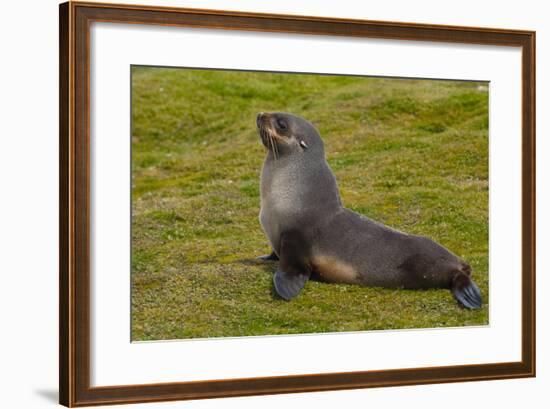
[[281, 124]]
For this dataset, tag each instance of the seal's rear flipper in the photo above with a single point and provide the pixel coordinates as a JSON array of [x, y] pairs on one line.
[[466, 292], [269, 257], [289, 285]]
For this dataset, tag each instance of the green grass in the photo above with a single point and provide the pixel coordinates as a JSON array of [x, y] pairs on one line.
[[410, 153]]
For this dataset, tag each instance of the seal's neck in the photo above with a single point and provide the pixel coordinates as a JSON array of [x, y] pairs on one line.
[[295, 183]]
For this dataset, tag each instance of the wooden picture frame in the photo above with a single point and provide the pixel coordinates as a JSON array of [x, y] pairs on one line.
[[74, 196]]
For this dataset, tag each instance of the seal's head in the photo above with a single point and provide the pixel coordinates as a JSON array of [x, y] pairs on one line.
[[287, 134]]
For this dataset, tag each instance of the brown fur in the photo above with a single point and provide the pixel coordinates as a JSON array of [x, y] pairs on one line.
[[332, 270]]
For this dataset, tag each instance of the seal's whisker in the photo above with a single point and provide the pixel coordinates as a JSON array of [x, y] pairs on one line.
[[271, 142], [263, 133], [267, 136], [275, 147]]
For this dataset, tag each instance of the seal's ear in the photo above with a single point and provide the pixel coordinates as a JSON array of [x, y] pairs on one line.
[[303, 144]]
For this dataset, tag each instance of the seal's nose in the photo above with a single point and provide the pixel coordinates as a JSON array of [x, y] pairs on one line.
[[259, 119]]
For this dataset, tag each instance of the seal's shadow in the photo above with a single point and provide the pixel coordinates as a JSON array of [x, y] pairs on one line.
[[268, 267]]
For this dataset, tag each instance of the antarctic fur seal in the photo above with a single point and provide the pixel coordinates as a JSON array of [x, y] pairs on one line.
[[314, 236]]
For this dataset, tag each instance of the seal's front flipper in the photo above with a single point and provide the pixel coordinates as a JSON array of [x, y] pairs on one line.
[[293, 271], [466, 292], [269, 257], [289, 285]]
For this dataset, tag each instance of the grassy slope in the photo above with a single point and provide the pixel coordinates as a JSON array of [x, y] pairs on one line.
[[409, 153]]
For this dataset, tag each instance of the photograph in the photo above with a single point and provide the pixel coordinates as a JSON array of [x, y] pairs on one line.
[[277, 203]]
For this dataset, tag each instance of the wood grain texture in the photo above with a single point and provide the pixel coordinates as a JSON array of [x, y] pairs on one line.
[[64, 235], [74, 195]]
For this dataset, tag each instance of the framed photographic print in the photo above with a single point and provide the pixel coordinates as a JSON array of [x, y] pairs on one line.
[[260, 204]]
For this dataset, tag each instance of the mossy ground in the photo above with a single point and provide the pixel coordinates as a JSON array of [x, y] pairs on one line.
[[410, 153]]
